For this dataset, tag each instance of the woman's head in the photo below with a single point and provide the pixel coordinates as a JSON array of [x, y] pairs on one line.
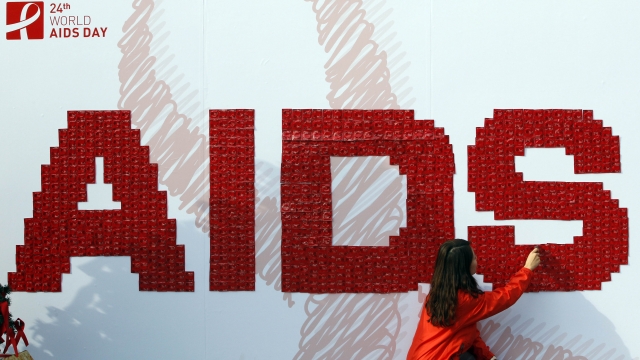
[[455, 266], [456, 259]]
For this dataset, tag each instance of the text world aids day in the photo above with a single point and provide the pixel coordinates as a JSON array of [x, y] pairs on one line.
[[26, 21], [64, 26], [310, 263]]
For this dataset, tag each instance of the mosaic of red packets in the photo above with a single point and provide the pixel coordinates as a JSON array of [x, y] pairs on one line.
[[232, 200], [592, 257], [309, 261], [140, 229]]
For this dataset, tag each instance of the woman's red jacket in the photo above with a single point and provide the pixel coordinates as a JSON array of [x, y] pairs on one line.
[[436, 343]]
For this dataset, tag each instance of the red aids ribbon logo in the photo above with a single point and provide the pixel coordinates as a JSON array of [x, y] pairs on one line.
[[25, 20]]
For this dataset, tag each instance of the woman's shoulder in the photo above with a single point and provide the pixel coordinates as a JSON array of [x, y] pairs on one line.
[[467, 297]]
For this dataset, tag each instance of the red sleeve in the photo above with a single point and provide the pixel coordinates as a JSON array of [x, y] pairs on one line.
[[480, 350], [493, 302]]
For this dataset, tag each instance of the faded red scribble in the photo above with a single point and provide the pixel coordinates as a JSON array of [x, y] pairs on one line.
[[376, 223], [540, 344], [269, 228], [352, 326], [356, 69], [268, 231], [386, 38], [177, 146], [359, 77]]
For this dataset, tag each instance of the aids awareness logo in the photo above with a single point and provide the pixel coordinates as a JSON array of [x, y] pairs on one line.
[[25, 20]]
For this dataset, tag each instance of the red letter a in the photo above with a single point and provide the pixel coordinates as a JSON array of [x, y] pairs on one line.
[[140, 229]]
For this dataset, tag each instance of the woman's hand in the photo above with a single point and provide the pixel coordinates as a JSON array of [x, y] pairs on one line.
[[533, 260]]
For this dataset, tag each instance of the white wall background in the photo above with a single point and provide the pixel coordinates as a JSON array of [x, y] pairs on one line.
[[452, 61]]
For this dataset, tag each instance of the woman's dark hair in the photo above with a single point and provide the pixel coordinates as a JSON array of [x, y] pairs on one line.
[[452, 273]]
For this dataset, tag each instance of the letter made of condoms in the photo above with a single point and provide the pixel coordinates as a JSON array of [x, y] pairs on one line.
[[310, 263], [604, 244], [58, 230]]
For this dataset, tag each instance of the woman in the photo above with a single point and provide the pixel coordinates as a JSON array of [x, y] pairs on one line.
[[447, 327]]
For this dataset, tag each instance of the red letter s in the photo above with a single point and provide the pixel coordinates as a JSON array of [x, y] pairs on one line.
[[592, 257]]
